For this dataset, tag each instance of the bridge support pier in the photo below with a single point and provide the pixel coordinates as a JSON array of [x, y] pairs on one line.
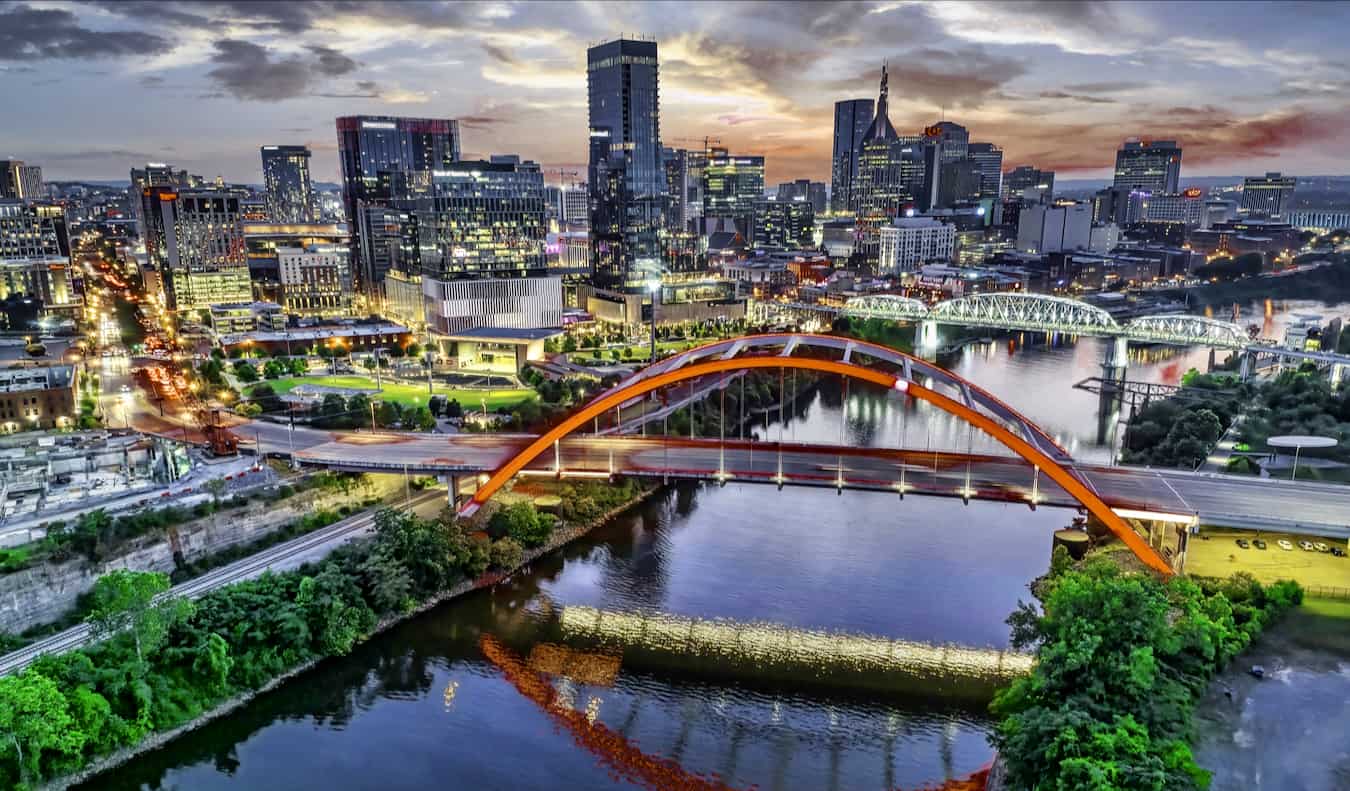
[[926, 339], [1114, 369], [1212, 362], [1337, 374], [1246, 365]]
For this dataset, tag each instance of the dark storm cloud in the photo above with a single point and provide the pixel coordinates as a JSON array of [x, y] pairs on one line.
[[946, 78], [248, 71], [287, 16], [28, 33], [1104, 87], [1075, 97]]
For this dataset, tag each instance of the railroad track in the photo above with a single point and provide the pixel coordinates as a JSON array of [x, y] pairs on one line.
[[238, 571]]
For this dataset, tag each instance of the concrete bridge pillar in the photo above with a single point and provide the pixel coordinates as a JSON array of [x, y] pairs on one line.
[[1211, 360], [926, 339], [1337, 374], [1246, 365]]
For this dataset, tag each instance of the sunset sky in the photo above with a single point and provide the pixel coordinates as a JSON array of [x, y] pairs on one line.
[[92, 89]]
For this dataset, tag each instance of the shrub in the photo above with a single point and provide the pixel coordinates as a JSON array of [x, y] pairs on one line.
[[506, 553]]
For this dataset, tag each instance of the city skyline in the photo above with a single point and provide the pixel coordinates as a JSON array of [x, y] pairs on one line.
[[1058, 86]]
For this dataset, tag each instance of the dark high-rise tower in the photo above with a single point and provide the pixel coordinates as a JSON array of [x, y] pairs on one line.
[[851, 119], [371, 145], [626, 171], [286, 179], [1150, 166]]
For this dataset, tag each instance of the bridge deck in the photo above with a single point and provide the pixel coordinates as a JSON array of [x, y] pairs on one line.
[[1218, 500]]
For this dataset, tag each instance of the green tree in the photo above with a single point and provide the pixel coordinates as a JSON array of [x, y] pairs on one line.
[[216, 488], [569, 344], [423, 419], [520, 521], [275, 369], [35, 721], [337, 614], [388, 413], [506, 553], [299, 366], [124, 601], [245, 371]]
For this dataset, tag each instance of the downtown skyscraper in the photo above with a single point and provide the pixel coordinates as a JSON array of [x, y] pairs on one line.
[[371, 149], [1151, 166], [286, 180], [851, 119], [626, 171]]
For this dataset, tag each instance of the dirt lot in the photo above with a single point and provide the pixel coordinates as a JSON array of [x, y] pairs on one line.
[[1220, 556]]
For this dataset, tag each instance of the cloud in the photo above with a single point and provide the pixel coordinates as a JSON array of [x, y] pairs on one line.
[[1075, 97], [1104, 87], [963, 77], [1094, 27], [247, 71], [28, 33]]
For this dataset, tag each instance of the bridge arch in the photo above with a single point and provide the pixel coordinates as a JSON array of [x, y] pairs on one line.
[[641, 384], [1185, 328], [886, 306], [1019, 310]]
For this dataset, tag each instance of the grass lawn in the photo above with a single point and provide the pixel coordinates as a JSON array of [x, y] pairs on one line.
[[406, 394], [1330, 608]]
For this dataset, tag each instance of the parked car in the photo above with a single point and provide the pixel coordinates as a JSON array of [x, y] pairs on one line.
[[1260, 543], [1338, 552], [1306, 546], [1285, 545], [1242, 542], [1321, 547]]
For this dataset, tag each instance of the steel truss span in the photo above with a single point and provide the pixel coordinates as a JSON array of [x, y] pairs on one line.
[[1046, 313], [749, 353]]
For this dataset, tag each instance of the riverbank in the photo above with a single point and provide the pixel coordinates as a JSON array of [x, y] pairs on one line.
[[1328, 284], [560, 537], [1288, 729]]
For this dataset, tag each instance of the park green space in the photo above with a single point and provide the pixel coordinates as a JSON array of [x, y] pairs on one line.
[[408, 394]]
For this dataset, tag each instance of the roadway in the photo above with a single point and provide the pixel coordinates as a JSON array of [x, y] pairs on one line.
[[288, 555], [1218, 500]]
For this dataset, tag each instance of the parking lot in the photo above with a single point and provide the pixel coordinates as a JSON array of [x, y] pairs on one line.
[[1219, 556]]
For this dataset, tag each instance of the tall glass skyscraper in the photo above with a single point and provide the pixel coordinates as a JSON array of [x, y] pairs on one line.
[[626, 172], [851, 119], [371, 148], [286, 179]]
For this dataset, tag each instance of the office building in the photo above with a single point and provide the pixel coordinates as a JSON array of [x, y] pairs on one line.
[[731, 187], [21, 182], [198, 241], [471, 239], [576, 206], [370, 149], [958, 183], [264, 241], [988, 159], [1319, 220], [35, 257], [286, 181], [1152, 166], [910, 242], [37, 397], [154, 174], [1023, 178], [952, 138], [1270, 195], [806, 189], [683, 186], [851, 119], [1186, 207], [315, 280], [784, 223], [626, 174], [1044, 228]]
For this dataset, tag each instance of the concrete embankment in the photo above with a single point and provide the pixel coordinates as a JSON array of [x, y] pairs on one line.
[[774, 653]]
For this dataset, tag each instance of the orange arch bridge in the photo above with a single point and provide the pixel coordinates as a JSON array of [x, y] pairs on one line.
[[966, 401]]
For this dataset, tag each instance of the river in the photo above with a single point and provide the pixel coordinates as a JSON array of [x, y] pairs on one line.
[[436, 701]]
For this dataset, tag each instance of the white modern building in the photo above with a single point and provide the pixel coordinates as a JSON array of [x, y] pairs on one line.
[[913, 241], [315, 280], [1051, 229], [1320, 220]]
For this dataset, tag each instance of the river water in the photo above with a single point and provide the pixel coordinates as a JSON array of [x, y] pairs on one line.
[[447, 700]]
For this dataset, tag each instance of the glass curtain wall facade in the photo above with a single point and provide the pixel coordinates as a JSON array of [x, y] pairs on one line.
[[626, 171]]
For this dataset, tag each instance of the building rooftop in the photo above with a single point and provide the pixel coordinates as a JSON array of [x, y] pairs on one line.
[[314, 333], [506, 333]]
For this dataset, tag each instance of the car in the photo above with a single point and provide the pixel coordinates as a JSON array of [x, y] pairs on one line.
[[1242, 542], [126, 388], [1321, 547], [1306, 546], [1285, 545], [1338, 552], [1259, 543]]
